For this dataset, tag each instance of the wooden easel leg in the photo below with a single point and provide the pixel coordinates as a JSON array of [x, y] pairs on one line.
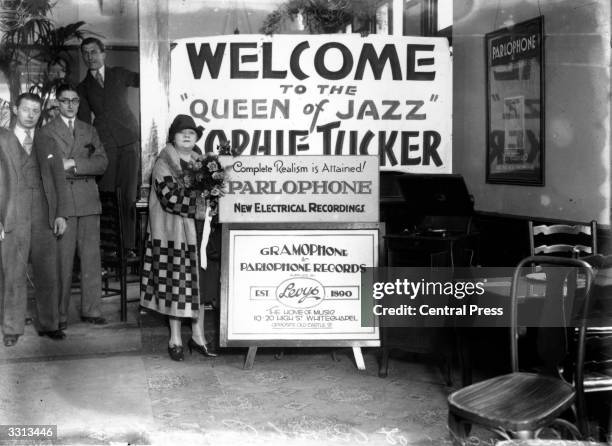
[[383, 367], [358, 358], [250, 359]]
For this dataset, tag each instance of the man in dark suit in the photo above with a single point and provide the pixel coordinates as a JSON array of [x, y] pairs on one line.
[[8, 183], [103, 91], [34, 216], [83, 158]]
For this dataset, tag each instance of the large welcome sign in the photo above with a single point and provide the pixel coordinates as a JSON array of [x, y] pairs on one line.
[[333, 95]]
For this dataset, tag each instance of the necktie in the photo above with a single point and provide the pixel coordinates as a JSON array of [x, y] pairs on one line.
[[98, 77], [71, 127], [27, 141]]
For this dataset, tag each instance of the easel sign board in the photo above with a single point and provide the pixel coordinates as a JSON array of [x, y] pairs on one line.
[[296, 284]]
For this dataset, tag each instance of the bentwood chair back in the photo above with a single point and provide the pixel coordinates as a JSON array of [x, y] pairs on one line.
[[520, 403]]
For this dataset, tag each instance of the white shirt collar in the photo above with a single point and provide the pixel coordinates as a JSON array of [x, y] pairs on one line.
[[101, 70], [66, 121], [20, 133]]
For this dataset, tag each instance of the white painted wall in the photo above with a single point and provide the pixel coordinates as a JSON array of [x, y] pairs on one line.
[[577, 107]]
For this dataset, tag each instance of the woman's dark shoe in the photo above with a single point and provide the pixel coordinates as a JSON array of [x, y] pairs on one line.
[[10, 340], [96, 320], [193, 345], [176, 352], [56, 335]]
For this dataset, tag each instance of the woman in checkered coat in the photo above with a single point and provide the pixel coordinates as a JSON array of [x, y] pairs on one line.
[[170, 280]]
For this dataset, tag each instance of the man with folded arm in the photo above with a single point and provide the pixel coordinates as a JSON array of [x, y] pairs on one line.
[[83, 159]]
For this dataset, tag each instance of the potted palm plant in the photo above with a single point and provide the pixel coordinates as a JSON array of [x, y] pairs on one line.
[[29, 40]]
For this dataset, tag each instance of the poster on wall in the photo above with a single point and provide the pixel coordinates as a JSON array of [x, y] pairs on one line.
[[515, 131], [283, 189], [296, 285], [333, 95]]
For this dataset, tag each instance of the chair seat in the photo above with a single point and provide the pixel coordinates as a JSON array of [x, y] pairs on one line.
[[516, 401], [598, 380]]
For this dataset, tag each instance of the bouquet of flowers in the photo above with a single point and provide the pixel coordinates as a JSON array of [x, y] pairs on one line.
[[225, 148], [206, 175]]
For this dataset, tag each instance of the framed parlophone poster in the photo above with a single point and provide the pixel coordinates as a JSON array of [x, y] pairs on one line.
[[515, 104], [296, 284]]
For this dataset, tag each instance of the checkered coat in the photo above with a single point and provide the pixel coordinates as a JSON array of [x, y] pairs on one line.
[[170, 275]]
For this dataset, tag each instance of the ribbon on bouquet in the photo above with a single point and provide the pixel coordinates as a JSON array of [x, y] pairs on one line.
[[205, 236]]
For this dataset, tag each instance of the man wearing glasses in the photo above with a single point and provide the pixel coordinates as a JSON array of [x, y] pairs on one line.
[[84, 158]]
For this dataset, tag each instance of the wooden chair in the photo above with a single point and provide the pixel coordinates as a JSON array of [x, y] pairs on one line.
[[519, 402], [597, 382], [579, 240], [598, 347], [598, 350], [115, 259]]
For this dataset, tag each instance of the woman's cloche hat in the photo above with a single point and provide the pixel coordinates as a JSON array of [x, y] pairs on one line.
[[182, 122]]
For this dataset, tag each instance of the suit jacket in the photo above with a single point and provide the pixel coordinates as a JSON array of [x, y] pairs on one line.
[[51, 170], [8, 175], [90, 158], [114, 121]]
